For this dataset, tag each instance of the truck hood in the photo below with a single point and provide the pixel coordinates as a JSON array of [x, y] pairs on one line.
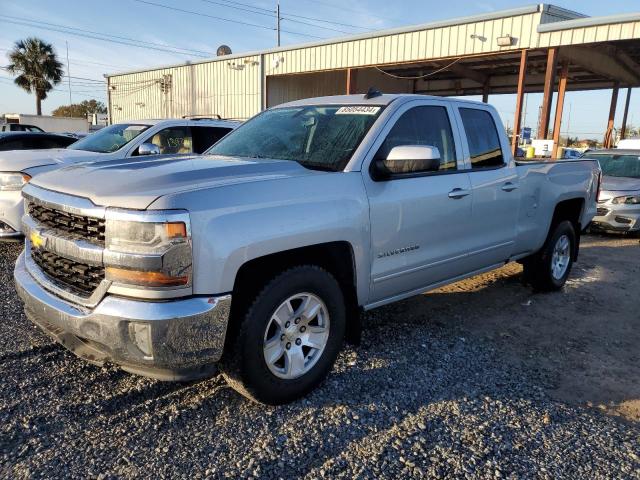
[[136, 183], [620, 184], [23, 160]]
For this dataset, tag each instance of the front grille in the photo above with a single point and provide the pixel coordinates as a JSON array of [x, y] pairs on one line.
[[601, 212], [81, 278], [87, 228]]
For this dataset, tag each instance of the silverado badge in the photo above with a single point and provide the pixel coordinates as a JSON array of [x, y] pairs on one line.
[[37, 240], [398, 251]]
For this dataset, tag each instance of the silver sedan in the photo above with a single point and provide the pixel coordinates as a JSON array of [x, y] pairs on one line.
[[619, 200]]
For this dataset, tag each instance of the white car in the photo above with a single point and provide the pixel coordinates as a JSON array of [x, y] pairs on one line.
[[115, 142]]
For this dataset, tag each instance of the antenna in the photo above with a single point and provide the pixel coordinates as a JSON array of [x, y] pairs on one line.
[[373, 92]]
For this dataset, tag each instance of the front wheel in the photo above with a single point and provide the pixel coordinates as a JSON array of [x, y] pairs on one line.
[[549, 269], [289, 337]]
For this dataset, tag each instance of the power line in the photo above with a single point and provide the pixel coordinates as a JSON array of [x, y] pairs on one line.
[[271, 14], [82, 62], [108, 35], [223, 19], [83, 79], [101, 36]]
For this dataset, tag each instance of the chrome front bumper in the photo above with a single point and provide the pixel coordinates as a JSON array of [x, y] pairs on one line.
[[618, 218], [178, 339]]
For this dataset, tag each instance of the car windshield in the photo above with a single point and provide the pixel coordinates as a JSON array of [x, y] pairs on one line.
[[619, 165], [317, 137], [109, 139]]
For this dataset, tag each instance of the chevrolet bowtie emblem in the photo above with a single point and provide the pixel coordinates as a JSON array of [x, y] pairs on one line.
[[36, 240]]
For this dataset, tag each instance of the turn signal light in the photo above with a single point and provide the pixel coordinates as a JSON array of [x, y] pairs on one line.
[[145, 279]]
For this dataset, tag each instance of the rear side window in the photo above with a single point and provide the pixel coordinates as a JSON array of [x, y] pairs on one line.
[[205, 137], [483, 139], [426, 126]]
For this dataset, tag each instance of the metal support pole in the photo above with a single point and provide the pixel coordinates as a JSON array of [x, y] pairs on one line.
[[352, 79], [109, 108], [549, 82], [69, 77], [623, 131], [557, 122], [278, 24], [608, 136], [485, 92], [517, 123]]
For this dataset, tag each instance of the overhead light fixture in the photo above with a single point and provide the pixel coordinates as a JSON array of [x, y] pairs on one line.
[[505, 41]]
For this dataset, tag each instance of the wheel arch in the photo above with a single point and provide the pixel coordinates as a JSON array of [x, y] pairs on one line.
[[570, 209], [337, 258]]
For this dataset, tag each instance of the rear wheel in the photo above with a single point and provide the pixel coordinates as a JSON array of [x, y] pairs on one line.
[[549, 269], [289, 337]]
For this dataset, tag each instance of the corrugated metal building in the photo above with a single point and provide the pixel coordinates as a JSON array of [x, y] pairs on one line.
[[481, 54]]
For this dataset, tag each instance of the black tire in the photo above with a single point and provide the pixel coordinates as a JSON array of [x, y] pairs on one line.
[[244, 366], [538, 270]]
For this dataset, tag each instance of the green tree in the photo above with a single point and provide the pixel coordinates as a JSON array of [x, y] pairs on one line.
[[82, 109], [36, 66]]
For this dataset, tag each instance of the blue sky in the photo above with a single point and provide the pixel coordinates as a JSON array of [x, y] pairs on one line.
[[90, 58]]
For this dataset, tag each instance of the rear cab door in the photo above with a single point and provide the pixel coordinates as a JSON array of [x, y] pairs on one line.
[[494, 183], [419, 223]]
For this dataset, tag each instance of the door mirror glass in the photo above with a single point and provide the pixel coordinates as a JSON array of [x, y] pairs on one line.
[[148, 149], [408, 159]]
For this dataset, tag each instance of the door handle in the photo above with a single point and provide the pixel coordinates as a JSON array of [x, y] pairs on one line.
[[509, 187], [458, 193]]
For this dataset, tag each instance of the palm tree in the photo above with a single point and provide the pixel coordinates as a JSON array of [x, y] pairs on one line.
[[36, 66]]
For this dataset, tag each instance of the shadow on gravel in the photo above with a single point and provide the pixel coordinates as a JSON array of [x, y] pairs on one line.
[[35, 351]]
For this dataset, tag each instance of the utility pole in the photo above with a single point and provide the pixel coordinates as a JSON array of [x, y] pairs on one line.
[[278, 23], [69, 76]]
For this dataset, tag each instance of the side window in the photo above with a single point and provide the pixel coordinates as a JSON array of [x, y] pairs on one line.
[[173, 140], [205, 137], [53, 142], [483, 139], [423, 126]]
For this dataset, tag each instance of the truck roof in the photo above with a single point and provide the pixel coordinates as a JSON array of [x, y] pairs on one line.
[[361, 99]]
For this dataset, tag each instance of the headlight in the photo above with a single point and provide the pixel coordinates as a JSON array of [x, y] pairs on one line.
[[13, 180], [627, 200], [148, 249]]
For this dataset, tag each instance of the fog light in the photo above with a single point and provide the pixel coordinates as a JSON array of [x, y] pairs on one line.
[[140, 334]]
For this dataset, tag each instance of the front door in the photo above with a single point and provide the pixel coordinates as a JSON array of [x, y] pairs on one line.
[[419, 224]]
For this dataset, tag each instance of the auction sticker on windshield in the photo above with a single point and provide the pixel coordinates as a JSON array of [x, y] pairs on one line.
[[358, 110]]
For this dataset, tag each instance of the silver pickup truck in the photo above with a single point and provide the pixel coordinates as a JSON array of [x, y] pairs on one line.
[[258, 257]]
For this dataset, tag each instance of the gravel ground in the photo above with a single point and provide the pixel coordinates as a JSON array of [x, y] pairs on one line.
[[464, 382]]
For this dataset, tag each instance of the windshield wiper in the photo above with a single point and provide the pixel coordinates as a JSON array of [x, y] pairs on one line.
[[318, 166]]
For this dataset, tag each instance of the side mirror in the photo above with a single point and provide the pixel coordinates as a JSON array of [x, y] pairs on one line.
[[408, 159], [148, 149]]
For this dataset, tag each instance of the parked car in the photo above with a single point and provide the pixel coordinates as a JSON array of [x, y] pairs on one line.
[[259, 255], [619, 200], [116, 142], [33, 141], [571, 153], [19, 127]]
